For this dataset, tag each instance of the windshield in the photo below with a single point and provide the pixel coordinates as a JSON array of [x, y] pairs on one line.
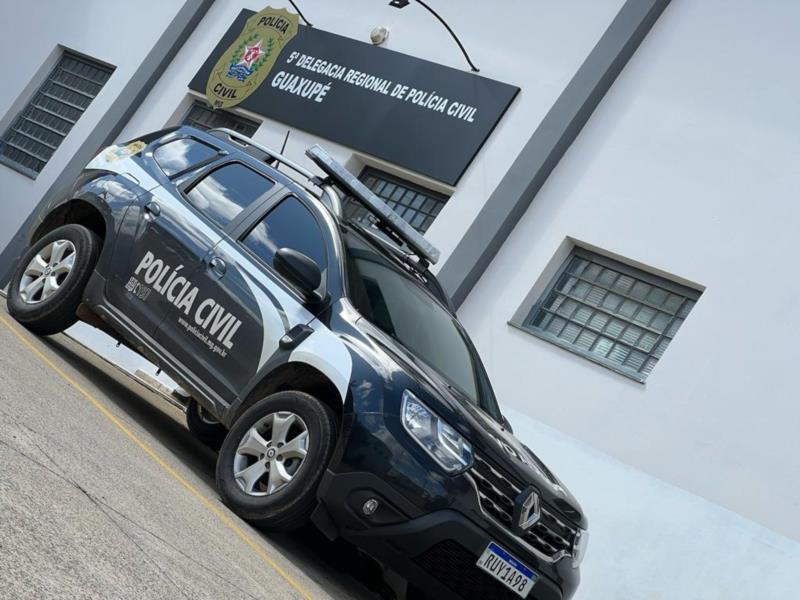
[[402, 309]]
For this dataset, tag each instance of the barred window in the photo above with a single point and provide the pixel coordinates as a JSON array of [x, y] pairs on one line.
[[610, 313], [202, 116], [43, 124], [417, 205]]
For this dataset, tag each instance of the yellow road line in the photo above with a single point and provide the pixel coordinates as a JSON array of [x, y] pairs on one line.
[[160, 462]]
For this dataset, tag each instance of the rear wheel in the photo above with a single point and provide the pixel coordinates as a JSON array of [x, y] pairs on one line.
[[203, 425], [48, 285], [273, 458]]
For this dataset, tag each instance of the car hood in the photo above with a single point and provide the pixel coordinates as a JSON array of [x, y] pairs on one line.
[[501, 447], [490, 440]]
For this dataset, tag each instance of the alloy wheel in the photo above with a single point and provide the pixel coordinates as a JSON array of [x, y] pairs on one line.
[[47, 271], [271, 453]]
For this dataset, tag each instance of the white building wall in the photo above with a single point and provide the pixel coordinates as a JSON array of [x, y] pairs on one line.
[[30, 36], [650, 540], [688, 166]]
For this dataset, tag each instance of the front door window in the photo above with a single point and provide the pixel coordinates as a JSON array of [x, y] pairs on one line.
[[288, 225]]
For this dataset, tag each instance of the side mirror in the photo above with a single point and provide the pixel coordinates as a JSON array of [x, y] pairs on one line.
[[300, 271], [507, 425]]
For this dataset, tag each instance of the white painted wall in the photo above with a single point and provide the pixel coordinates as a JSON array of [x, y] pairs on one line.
[[30, 33], [651, 540], [690, 166]]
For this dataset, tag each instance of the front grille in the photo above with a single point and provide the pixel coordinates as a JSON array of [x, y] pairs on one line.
[[550, 536], [454, 566]]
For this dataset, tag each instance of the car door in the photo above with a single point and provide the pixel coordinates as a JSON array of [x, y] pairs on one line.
[[196, 324], [242, 313], [160, 243]]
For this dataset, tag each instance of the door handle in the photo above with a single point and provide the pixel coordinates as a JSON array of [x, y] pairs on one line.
[[153, 208], [217, 266]]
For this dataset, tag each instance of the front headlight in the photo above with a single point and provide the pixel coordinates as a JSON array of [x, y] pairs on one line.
[[445, 445], [579, 548]]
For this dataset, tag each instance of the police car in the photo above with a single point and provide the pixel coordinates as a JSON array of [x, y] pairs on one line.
[[320, 354]]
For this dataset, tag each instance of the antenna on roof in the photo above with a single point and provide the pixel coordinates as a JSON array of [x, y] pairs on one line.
[[286, 139]]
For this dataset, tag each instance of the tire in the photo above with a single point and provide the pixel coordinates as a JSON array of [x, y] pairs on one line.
[[44, 295], [273, 507], [203, 426]]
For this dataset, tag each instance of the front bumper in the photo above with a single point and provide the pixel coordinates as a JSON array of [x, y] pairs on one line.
[[437, 551], [428, 527]]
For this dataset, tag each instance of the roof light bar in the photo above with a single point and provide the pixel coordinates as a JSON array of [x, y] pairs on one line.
[[362, 194]]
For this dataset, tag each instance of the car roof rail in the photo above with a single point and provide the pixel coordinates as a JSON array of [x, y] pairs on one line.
[[333, 200]]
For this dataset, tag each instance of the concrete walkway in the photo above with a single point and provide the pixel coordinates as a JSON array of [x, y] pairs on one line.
[[105, 494]]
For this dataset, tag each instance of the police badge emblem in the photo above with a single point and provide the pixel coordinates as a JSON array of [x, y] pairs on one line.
[[250, 58]]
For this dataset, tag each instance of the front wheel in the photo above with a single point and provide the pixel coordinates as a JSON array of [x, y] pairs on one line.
[[273, 459], [48, 284]]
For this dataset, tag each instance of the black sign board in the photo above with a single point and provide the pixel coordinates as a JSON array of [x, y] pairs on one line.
[[411, 112]]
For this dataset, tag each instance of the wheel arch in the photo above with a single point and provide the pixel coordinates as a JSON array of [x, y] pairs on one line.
[[296, 376], [76, 211]]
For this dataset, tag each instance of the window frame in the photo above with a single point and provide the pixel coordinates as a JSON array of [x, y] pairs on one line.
[[29, 104], [525, 321], [241, 120], [388, 178]]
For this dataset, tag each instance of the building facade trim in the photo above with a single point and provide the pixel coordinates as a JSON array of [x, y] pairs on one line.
[[554, 135]]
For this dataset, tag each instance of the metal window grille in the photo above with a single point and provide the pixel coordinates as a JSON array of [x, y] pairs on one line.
[[50, 115], [610, 313], [415, 204], [202, 116]]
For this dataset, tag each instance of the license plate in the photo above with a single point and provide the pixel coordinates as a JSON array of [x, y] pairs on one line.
[[507, 570]]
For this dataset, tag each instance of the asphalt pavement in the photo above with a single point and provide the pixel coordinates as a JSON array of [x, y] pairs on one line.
[[104, 493]]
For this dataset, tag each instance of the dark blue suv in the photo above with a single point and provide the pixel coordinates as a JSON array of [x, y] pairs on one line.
[[319, 354]]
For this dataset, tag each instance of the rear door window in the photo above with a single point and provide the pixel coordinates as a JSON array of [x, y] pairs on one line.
[[225, 192], [179, 155]]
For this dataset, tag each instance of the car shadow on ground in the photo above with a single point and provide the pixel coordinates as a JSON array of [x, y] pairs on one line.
[[329, 562]]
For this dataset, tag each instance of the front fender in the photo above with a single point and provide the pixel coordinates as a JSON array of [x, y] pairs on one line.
[[327, 353]]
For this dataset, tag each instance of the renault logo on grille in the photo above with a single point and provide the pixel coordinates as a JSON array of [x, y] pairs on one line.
[[527, 510]]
